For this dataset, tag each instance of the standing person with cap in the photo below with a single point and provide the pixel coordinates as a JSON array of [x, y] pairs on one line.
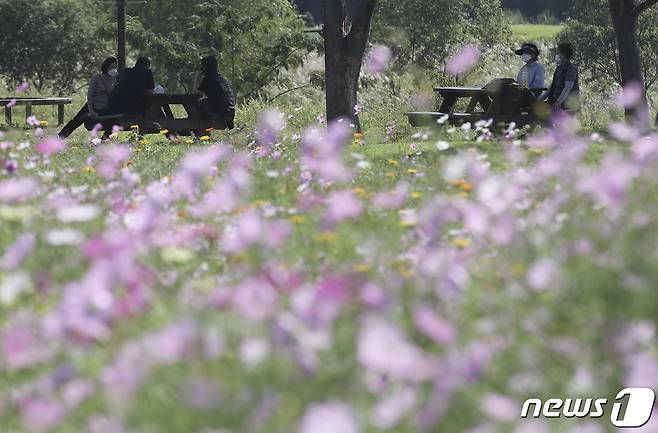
[[532, 74]]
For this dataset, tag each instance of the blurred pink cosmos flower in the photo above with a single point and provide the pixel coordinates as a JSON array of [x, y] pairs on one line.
[[11, 103], [630, 96], [22, 346], [342, 205], [271, 124], [51, 145], [378, 59], [434, 326], [41, 415], [384, 349], [542, 274], [18, 251], [464, 60], [22, 88], [499, 407], [393, 199], [18, 190], [322, 151], [329, 417], [196, 166]]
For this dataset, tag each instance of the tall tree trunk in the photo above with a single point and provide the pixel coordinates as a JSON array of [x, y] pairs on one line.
[[624, 20], [344, 51]]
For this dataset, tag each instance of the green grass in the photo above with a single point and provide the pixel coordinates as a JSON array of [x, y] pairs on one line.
[[535, 32]]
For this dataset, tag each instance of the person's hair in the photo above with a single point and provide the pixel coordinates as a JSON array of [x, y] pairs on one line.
[[567, 49], [107, 63], [143, 62], [209, 64]]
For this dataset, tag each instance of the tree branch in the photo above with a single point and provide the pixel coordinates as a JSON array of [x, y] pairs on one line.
[[641, 7]]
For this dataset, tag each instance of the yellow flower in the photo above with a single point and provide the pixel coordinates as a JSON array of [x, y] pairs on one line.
[[412, 171], [142, 142], [326, 236], [361, 268], [189, 141], [360, 192], [392, 162], [461, 242], [260, 203], [204, 138], [390, 174], [297, 219], [164, 132], [43, 123], [462, 184], [416, 195], [88, 169], [134, 127]]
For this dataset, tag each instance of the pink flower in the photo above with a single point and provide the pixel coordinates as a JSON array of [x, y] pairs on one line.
[[271, 123], [41, 414], [22, 88], [393, 199], [16, 253], [434, 326], [342, 205], [18, 190], [21, 346], [11, 103], [328, 417], [463, 61], [542, 274], [499, 407], [630, 96], [378, 59], [51, 145], [384, 349]]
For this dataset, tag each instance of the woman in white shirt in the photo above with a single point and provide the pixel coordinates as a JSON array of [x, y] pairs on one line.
[[100, 87]]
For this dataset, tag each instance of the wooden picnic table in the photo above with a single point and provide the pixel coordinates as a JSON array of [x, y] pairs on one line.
[[30, 102], [159, 116], [483, 104]]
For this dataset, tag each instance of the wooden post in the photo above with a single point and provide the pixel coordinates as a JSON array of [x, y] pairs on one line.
[[28, 110], [60, 114], [8, 115], [121, 34]]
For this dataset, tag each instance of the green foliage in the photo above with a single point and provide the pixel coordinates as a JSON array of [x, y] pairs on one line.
[[253, 40], [425, 32], [50, 43], [591, 32], [535, 32]]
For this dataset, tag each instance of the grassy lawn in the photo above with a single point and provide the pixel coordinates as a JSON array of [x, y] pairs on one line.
[[535, 32]]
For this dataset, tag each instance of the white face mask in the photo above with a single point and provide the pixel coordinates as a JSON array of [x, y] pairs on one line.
[[113, 73], [526, 58]]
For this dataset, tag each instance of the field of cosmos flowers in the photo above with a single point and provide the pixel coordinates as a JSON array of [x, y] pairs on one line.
[[311, 280]]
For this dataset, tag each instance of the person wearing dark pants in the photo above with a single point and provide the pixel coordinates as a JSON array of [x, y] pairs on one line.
[[100, 87], [219, 100]]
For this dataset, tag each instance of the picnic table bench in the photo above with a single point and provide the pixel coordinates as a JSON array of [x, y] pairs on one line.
[[159, 116], [494, 103], [30, 102]]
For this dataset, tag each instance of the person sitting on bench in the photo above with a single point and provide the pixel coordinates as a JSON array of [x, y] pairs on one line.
[[564, 93], [134, 86], [100, 87], [219, 100]]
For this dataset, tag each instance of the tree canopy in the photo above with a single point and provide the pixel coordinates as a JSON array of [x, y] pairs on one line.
[[51, 43]]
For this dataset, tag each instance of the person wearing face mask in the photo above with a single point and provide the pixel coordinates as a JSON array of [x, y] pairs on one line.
[[532, 73], [564, 93], [100, 87]]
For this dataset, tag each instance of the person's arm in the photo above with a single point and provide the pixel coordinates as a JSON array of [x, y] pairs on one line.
[[565, 94], [540, 78], [90, 95]]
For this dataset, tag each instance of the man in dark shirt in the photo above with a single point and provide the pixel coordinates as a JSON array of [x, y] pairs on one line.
[[564, 93], [219, 100], [134, 85]]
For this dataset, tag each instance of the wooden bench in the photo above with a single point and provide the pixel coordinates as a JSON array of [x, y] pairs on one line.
[[30, 102], [159, 116], [492, 105]]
